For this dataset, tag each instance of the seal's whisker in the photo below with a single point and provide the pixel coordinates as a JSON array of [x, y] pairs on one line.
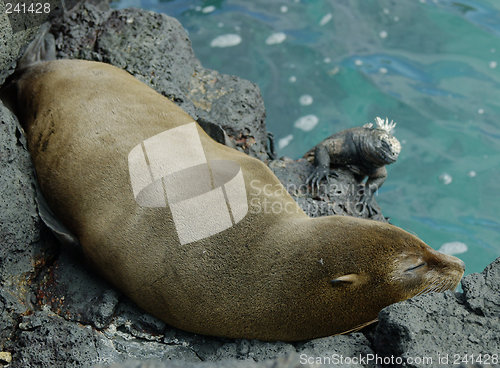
[[440, 286], [446, 286], [436, 285]]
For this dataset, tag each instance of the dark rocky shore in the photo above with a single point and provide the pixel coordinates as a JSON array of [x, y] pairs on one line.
[[54, 312]]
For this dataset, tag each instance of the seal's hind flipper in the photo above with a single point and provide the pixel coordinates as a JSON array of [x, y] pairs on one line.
[[42, 48], [60, 231]]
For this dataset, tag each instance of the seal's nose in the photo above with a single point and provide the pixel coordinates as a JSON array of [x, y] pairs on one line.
[[450, 259]]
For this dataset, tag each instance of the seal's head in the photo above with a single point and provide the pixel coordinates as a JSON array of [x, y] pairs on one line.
[[375, 265], [420, 270]]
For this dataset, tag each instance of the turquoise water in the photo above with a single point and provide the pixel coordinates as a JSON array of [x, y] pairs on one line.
[[429, 65]]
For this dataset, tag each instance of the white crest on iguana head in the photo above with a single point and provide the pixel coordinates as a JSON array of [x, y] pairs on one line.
[[385, 126]]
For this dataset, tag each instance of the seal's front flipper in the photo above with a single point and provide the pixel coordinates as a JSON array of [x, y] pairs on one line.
[[60, 231], [216, 133], [271, 151]]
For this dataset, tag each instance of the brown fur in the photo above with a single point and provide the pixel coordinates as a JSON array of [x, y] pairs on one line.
[[268, 277]]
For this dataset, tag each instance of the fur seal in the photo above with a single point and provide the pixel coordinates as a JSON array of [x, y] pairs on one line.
[[196, 233]]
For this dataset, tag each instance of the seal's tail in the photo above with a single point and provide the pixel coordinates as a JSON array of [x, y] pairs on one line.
[[42, 48]]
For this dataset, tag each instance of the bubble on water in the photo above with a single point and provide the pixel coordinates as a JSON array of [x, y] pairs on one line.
[[386, 11], [306, 123], [208, 9], [285, 141], [305, 100], [326, 18], [226, 40], [471, 174], [284, 8], [333, 71], [445, 178], [383, 70], [358, 62], [276, 38], [327, 60], [493, 64], [480, 111], [292, 79], [453, 248], [396, 18], [383, 34]]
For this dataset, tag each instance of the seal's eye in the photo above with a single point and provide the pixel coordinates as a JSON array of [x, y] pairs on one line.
[[414, 268]]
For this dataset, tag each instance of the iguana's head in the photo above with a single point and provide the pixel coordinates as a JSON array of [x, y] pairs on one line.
[[385, 147]]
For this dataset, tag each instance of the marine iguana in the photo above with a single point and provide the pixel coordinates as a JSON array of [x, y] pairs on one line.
[[365, 151]]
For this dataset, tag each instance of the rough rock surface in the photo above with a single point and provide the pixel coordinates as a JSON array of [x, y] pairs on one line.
[[156, 50], [11, 44], [16, 30], [340, 196], [55, 313], [26, 245]]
